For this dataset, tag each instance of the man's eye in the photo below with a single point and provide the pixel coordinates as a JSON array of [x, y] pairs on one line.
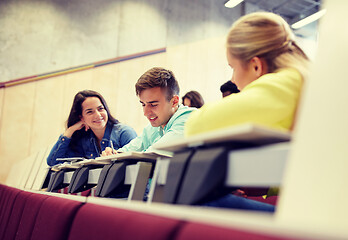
[[154, 105]]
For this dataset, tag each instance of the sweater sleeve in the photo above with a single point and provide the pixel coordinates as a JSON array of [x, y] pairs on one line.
[[135, 145]]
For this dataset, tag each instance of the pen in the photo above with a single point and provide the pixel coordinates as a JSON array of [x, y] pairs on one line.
[[112, 147]]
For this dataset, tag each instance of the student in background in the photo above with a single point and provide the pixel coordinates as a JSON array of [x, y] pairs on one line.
[[228, 88], [90, 129], [158, 92], [269, 69], [193, 99]]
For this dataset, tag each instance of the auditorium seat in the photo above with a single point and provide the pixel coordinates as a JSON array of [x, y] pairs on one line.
[[270, 200], [35, 216], [101, 222], [38, 216], [193, 230], [85, 193], [30, 211], [7, 199], [10, 229], [54, 219]]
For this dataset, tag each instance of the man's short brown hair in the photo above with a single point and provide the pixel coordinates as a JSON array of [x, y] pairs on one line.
[[158, 77]]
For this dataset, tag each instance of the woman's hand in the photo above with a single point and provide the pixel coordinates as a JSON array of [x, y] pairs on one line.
[[108, 151], [77, 126]]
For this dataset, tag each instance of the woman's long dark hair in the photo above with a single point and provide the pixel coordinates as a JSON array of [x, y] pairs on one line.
[[76, 113], [195, 98]]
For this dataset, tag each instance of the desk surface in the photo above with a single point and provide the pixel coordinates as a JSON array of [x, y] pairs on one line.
[[132, 155], [248, 133], [136, 156]]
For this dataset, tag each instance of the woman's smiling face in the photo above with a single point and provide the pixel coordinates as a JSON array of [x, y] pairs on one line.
[[94, 114]]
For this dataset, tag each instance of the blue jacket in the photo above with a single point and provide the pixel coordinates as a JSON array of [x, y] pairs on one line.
[[174, 129], [119, 134]]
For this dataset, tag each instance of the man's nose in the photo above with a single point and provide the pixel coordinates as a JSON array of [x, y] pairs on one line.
[[146, 110]]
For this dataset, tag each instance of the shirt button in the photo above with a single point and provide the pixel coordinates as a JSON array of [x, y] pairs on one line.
[[63, 139], [91, 154], [102, 142]]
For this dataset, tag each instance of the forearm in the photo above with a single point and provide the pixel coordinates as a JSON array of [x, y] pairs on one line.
[[133, 146], [59, 150]]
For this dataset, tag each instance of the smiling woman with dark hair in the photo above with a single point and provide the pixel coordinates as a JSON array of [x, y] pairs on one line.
[[90, 129]]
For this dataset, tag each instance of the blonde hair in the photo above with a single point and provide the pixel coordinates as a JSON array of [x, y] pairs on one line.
[[268, 36]]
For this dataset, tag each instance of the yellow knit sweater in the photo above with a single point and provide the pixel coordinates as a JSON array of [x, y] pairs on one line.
[[271, 100]]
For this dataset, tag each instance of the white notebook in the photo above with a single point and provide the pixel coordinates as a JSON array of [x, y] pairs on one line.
[[133, 155], [248, 133]]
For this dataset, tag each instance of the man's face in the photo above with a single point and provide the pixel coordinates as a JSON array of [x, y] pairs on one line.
[[156, 107]]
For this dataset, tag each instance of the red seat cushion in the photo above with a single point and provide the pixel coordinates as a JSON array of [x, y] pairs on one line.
[[200, 231], [7, 207], [30, 212], [55, 218], [101, 222], [16, 216], [270, 200]]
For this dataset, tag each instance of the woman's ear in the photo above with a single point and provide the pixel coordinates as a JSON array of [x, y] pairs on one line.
[[259, 66]]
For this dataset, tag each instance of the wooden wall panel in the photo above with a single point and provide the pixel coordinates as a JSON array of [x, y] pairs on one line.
[[200, 66], [16, 124], [76, 82], [2, 90], [48, 113], [220, 70], [105, 82], [176, 59], [128, 108], [34, 114], [208, 68]]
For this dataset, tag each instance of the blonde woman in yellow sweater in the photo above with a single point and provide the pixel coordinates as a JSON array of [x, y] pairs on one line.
[[268, 68]]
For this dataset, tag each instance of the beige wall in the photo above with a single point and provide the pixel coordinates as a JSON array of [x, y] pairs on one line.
[[33, 114]]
